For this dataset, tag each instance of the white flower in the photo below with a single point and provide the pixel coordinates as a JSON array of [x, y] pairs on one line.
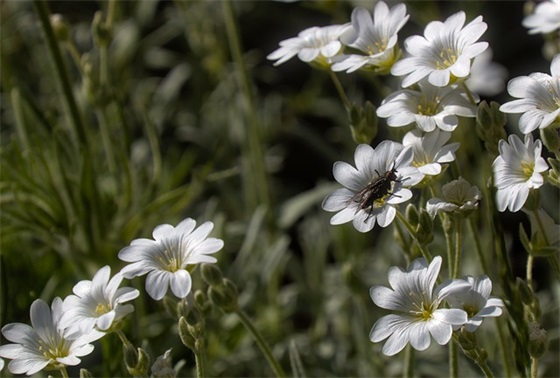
[[539, 96], [517, 169], [445, 50], [313, 44], [430, 107], [430, 150], [476, 302], [487, 78], [418, 307], [374, 188], [44, 345], [166, 258], [545, 19], [376, 36], [458, 197], [98, 303]]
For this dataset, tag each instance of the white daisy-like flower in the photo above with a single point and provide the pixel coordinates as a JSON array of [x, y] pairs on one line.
[[445, 50], [476, 302], [430, 150], [517, 170], [418, 307], [487, 78], [166, 258], [98, 303], [375, 35], [374, 188], [539, 98], [545, 18], [430, 107], [315, 44], [459, 196], [44, 345]]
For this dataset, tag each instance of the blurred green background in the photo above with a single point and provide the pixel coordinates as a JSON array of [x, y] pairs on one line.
[[155, 120]]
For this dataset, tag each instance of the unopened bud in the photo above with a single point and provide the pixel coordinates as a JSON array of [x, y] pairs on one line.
[[412, 215], [537, 340], [100, 30], [211, 274], [184, 334], [550, 136], [137, 363], [424, 232], [490, 122], [60, 27], [525, 293], [363, 123], [84, 373]]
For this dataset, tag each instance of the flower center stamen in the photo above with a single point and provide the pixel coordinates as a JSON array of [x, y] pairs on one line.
[[448, 57]]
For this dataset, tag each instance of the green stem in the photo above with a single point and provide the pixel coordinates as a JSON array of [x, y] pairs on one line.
[[340, 90], [534, 367], [106, 140], [408, 370], [61, 72], [255, 178], [468, 92], [427, 255], [200, 359], [458, 242], [453, 362], [505, 355], [265, 349], [529, 272], [448, 244], [63, 372]]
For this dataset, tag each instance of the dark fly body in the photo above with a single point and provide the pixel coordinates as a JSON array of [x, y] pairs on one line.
[[375, 190]]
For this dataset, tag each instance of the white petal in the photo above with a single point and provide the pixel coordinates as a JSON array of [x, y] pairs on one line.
[[441, 332], [157, 283], [181, 283]]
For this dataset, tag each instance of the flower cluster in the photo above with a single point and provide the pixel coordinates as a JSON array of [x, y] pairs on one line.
[[444, 71], [61, 334], [419, 311]]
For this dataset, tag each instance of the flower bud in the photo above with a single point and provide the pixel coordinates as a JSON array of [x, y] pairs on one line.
[[411, 214], [60, 27], [467, 340], [424, 232], [550, 136], [363, 123], [231, 295], [100, 30], [163, 367], [537, 340], [84, 373], [490, 124], [525, 292], [211, 274], [185, 335], [137, 361]]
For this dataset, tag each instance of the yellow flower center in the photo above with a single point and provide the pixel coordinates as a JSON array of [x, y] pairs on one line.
[[470, 310], [377, 47], [527, 170], [102, 309], [448, 57]]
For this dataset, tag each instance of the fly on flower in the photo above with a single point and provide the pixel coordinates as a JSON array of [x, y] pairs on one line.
[[374, 187], [379, 188]]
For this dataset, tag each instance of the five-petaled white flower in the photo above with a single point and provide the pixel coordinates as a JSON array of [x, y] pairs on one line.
[[545, 19], [487, 78], [429, 108], [539, 98], [97, 303], [430, 150], [44, 345], [445, 50], [376, 36], [166, 258], [315, 44], [517, 169], [458, 197], [374, 188], [476, 302], [419, 314]]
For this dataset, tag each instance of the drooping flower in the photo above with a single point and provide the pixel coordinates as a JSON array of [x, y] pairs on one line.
[[476, 302], [539, 98], [373, 34], [163, 367], [166, 258], [98, 303], [517, 170], [487, 78], [458, 197], [430, 150], [44, 345], [315, 44], [444, 52], [418, 308], [430, 107], [545, 18], [374, 187]]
